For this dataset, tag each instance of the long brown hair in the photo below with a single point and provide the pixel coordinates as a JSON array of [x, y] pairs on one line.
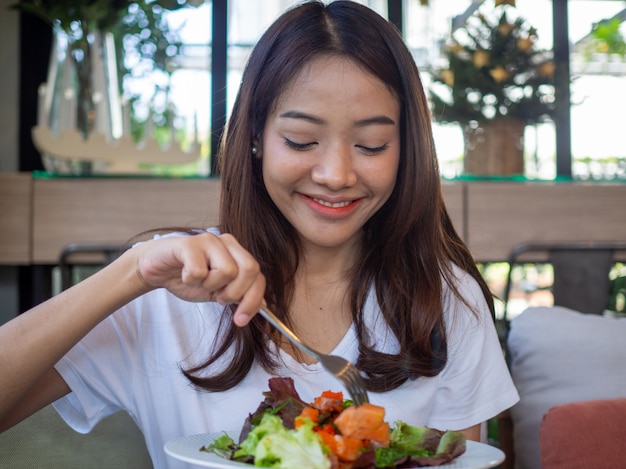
[[408, 245]]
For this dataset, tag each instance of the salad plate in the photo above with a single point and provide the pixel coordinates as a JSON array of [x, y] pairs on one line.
[[187, 449]]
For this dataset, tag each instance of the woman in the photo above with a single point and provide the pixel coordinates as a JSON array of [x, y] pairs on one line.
[[333, 215]]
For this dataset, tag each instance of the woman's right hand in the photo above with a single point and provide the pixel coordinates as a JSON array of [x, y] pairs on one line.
[[203, 267]]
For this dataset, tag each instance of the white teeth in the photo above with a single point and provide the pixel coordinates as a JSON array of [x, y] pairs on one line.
[[330, 204]]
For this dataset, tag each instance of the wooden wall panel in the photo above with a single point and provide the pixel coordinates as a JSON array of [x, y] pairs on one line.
[[453, 194], [15, 218], [501, 215], [492, 217], [107, 210]]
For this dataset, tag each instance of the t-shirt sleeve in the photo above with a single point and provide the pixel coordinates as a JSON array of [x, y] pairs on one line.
[[103, 368], [476, 384], [99, 370]]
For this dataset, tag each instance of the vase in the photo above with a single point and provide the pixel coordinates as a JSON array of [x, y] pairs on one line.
[[79, 102], [494, 147], [83, 128]]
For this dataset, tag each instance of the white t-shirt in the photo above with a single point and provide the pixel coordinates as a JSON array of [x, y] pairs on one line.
[[131, 362]]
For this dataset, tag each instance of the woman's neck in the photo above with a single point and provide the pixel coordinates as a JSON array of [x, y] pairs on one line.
[[320, 310], [320, 263]]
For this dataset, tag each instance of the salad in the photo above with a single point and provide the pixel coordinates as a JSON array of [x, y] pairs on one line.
[[332, 433]]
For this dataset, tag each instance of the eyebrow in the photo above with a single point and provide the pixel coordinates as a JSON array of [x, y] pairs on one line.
[[380, 120], [384, 120], [303, 116]]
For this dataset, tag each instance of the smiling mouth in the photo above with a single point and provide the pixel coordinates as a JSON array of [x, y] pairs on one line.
[[332, 204]]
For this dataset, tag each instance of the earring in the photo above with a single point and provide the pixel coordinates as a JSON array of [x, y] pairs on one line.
[[254, 150]]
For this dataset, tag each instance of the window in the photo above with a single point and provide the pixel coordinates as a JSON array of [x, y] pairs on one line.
[[247, 20], [598, 68], [427, 29], [598, 103]]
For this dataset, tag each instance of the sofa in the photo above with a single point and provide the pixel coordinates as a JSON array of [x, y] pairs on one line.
[[560, 356]]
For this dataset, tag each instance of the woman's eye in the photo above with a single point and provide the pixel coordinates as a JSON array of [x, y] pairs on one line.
[[298, 146], [373, 150]]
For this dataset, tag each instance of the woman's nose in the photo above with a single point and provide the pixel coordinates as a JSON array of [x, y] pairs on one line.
[[335, 168]]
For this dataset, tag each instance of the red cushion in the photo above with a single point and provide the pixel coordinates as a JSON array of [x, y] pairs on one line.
[[582, 435]]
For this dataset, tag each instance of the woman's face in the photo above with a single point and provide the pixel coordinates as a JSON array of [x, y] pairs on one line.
[[330, 151]]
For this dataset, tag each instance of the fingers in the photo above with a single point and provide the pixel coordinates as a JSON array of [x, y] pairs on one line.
[[207, 263], [223, 268], [250, 303], [247, 279]]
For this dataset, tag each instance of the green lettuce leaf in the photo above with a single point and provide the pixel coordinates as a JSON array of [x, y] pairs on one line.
[[273, 445], [224, 446], [420, 446]]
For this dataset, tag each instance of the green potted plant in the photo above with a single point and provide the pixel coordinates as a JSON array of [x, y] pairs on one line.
[[495, 82]]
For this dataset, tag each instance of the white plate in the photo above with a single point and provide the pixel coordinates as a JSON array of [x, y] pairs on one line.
[[187, 448]]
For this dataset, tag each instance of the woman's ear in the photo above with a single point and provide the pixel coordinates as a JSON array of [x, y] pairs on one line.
[[255, 149]]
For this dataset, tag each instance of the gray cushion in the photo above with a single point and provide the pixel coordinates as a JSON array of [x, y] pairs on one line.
[[559, 356]]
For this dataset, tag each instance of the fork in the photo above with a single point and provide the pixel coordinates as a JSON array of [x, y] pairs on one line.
[[341, 368]]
